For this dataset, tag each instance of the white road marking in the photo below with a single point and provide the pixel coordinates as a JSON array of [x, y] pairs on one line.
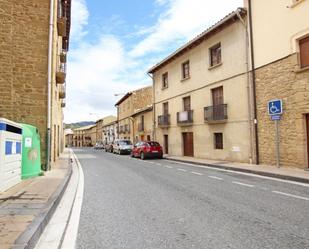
[[170, 167], [215, 177], [149, 161], [241, 173], [196, 173], [182, 170], [159, 164], [291, 195], [244, 184]]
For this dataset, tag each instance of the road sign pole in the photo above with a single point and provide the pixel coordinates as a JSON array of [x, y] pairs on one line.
[[277, 143]]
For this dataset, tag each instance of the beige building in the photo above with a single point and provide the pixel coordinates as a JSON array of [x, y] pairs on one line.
[[130, 109], [280, 31], [105, 128], [201, 97], [68, 138], [109, 132], [85, 136], [32, 67]]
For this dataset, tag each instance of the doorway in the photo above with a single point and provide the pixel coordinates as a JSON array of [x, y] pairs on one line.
[[165, 145], [187, 141], [307, 131]]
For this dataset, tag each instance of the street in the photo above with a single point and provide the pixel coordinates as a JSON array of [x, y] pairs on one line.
[[154, 204]]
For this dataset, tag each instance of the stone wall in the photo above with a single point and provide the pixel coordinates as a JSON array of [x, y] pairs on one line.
[[23, 63], [283, 80]]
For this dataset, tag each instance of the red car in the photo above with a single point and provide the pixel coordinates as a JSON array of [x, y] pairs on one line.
[[147, 149]]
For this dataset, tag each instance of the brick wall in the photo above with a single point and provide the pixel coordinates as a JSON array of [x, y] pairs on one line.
[[281, 80]]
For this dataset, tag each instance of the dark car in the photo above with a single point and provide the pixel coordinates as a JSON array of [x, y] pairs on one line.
[[149, 149]]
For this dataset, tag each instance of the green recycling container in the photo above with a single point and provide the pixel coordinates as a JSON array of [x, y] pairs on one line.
[[31, 152]]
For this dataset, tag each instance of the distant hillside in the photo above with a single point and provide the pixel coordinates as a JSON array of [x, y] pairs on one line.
[[78, 124]]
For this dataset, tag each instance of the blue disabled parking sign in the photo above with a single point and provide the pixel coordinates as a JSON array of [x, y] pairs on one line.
[[275, 107]]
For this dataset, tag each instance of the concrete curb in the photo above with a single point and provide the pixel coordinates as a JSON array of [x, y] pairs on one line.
[[29, 238], [251, 171]]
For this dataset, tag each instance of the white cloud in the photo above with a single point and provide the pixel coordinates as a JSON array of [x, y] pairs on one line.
[[181, 21], [79, 20]]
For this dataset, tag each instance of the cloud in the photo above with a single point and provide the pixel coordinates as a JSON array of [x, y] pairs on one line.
[[181, 21], [79, 20]]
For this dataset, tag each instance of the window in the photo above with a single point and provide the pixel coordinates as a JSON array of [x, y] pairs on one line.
[[218, 141], [185, 68], [215, 55], [165, 80], [304, 52]]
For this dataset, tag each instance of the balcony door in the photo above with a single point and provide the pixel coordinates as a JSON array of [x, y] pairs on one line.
[[217, 102], [187, 103], [165, 108], [187, 141]]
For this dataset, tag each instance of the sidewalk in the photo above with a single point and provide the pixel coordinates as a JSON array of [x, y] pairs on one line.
[[286, 173], [26, 208]]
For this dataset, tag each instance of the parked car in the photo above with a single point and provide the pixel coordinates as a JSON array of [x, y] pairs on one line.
[[149, 149], [109, 147], [99, 146], [122, 146]]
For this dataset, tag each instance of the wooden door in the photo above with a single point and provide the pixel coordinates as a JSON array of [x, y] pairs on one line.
[[307, 130], [187, 103], [165, 144], [304, 52], [188, 149]]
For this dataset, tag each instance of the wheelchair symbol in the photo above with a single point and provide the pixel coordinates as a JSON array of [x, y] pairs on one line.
[[273, 109]]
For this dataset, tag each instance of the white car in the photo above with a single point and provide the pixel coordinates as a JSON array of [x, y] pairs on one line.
[[122, 146]]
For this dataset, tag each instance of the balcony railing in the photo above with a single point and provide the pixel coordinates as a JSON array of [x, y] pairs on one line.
[[62, 26], [185, 117], [63, 57], [164, 120], [141, 127], [216, 113], [61, 74]]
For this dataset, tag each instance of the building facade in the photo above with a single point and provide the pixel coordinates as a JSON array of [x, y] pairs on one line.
[[85, 136], [129, 105], [68, 138], [110, 127], [201, 97], [32, 68], [143, 120], [280, 31]]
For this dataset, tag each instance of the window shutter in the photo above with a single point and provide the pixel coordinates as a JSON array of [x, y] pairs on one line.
[[304, 52]]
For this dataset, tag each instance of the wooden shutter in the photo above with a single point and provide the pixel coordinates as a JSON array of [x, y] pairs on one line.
[[165, 108], [217, 96], [304, 52]]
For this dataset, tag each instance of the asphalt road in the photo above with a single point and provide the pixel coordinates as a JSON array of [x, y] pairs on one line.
[[154, 204]]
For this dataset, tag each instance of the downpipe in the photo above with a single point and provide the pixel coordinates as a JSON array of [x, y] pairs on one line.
[[49, 82]]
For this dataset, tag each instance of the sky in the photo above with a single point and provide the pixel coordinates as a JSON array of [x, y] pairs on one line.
[[114, 43]]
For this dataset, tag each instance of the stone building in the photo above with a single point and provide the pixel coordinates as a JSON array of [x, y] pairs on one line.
[[32, 67], [280, 31], [109, 130], [85, 136], [201, 96], [68, 138], [103, 125], [129, 109]]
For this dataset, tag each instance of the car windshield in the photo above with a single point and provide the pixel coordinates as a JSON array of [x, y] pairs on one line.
[[125, 142], [153, 143]]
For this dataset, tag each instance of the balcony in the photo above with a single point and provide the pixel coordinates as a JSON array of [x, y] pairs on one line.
[[164, 120], [61, 74], [185, 117], [140, 127], [63, 57], [62, 26], [215, 114], [62, 95]]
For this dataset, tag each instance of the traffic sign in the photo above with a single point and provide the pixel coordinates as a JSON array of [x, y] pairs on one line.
[[275, 107], [275, 117]]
